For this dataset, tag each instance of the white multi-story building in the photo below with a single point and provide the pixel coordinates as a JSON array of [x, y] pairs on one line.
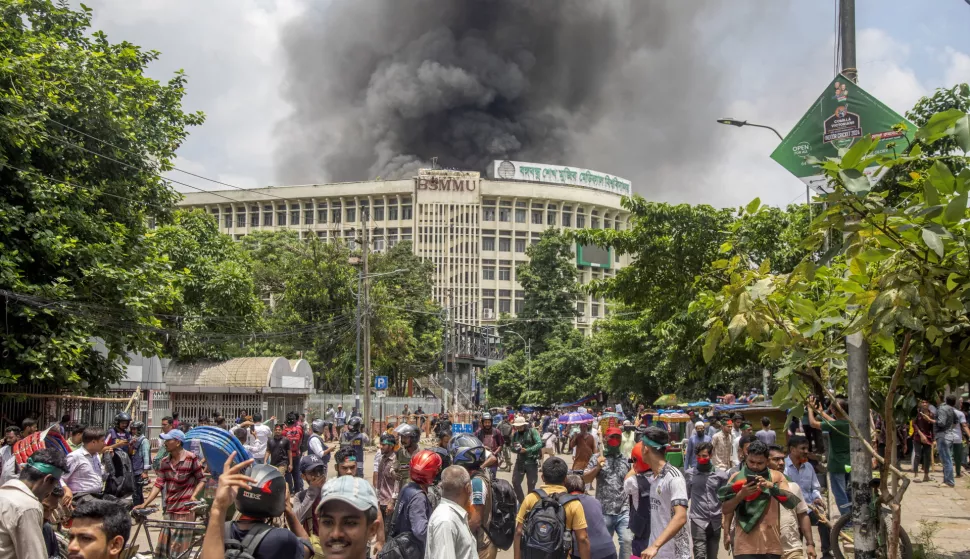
[[474, 229]]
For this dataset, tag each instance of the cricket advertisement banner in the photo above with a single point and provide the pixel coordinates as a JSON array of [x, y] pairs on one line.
[[842, 114]]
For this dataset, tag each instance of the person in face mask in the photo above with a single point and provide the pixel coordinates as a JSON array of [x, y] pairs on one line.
[[699, 437], [752, 497], [703, 483], [609, 470], [636, 489], [628, 439]]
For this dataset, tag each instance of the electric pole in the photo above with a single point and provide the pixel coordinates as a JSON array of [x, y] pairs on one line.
[[444, 349], [857, 353], [365, 250]]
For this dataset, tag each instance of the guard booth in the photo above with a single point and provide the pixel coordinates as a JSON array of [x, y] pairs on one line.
[[271, 386]]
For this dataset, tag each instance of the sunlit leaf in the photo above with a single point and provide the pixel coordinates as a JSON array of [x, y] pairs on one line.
[[933, 241]]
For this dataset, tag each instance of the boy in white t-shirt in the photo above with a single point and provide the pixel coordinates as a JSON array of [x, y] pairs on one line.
[[669, 537]]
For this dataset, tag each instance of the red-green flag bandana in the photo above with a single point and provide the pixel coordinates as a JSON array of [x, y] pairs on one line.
[[753, 508]]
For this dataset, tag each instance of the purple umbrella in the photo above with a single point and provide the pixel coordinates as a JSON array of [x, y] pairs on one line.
[[575, 417]]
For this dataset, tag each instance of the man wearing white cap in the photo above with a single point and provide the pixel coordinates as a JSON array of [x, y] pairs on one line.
[[699, 436], [526, 446], [629, 439]]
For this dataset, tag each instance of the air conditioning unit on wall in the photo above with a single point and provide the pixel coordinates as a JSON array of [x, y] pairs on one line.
[[488, 314]]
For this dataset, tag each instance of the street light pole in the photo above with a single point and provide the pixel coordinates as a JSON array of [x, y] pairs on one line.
[[740, 123]]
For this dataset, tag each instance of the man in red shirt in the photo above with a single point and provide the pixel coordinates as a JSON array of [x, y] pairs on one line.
[[294, 432], [180, 474]]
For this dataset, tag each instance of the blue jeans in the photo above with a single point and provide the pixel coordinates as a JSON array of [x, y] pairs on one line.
[[839, 484], [943, 449], [618, 524], [294, 479]]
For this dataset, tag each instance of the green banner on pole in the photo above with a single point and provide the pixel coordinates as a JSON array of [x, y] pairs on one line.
[[843, 113]]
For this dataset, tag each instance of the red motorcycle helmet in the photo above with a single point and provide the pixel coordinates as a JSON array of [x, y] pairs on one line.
[[425, 465]]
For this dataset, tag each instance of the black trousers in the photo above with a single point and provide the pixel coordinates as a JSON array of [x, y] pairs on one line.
[[705, 541], [529, 471], [924, 455]]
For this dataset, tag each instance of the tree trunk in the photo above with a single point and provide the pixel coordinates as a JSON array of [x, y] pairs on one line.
[[889, 460]]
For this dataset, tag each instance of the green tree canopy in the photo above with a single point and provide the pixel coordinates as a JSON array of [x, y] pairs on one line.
[[84, 135], [550, 282], [217, 306]]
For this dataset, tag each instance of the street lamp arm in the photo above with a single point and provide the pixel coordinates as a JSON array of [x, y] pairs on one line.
[[740, 123], [780, 137]]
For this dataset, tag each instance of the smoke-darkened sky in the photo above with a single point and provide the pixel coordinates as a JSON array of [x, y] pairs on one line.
[[304, 91], [377, 88]]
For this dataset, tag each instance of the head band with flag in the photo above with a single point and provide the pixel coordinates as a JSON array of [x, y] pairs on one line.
[[45, 468]]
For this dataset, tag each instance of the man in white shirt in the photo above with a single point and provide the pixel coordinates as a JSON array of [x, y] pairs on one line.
[[341, 418], [85, 475], [8, 463], [21, 512], [259, 434], [795, 523], [449, 536], [669, 536]]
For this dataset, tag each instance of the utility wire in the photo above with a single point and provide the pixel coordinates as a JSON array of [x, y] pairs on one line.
[[89, 311], [140, 170], [88, 188], [105, 142]]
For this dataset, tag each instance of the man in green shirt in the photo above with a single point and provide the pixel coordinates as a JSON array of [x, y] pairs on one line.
[[526, 445], [839, 462]]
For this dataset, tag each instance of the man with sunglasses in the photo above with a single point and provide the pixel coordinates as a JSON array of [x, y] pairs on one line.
[[609, 469]]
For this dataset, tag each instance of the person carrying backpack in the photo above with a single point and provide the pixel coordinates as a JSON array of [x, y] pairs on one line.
[[550, 519], [493, 510], [317, 446], [294, 432], [140, 450], [355, 440], [261, 495], [409, 523]]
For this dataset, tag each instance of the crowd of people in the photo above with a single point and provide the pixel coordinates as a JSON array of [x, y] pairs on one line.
[[614, 494]]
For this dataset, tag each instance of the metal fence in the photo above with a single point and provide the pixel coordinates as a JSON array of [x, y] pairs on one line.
[[379, 407], [20, 402]]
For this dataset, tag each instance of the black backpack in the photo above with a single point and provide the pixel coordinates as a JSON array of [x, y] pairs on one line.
[[121, 480], [501, 525], [245, 549], [544, 533], [640, 515], [401, 544]]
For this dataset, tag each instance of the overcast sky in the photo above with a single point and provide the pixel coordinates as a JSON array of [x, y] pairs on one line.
[[772, 59]]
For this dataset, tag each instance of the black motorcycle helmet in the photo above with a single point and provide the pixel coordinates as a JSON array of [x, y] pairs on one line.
[[445, 460], [266, 497], [354, 424], [138, 426], [122, 418]]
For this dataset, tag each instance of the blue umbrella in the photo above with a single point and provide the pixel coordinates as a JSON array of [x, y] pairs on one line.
[[575, 417], [217, 445]]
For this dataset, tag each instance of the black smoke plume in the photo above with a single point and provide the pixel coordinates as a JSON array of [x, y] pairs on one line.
[[379, 87]]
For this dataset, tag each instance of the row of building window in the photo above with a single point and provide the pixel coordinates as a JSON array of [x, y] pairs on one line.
[[505, 306], [297, 216], [551, 217]]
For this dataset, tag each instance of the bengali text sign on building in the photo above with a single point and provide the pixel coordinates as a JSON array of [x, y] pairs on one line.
[[557, 174], [842, 114]]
